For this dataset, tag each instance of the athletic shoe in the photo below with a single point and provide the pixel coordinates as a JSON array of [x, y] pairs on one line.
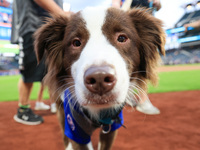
[[41, 106], [147, 108], [53, 108], [27, 117]]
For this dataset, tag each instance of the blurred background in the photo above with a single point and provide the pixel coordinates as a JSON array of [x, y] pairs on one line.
[[181, 47]]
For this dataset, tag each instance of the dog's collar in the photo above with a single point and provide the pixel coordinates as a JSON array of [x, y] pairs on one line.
[[106, 116], [106, 119]]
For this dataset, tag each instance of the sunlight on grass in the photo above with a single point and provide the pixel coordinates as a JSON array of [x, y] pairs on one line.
[[9, 90], [177, 81]]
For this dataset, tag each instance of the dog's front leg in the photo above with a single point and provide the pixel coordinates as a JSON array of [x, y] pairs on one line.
[[61, 118], [106, 140], [69, 144]]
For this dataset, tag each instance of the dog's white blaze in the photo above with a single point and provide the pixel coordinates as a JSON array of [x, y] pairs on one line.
[[99, 52]]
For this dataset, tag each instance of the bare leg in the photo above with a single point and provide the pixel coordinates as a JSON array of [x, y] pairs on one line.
[[24, 92], [40, 93]]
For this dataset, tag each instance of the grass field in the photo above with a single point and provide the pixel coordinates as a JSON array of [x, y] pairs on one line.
[[177, 81], [9, 90], [6, 46], [169, 81]]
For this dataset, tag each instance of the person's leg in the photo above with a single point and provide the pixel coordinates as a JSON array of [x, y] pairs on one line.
[[40, 105], [28, 68], [40, 93], [24, 92]]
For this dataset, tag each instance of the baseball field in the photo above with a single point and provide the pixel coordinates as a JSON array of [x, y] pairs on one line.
[[176, 128]]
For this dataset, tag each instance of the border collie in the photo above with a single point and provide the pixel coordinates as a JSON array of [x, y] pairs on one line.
[[97, 61]]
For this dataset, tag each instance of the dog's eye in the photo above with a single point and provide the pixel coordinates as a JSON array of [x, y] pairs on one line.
[[76, 43], [122, 38]]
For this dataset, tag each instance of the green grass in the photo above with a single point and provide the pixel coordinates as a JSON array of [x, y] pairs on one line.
[[9, 90], [7, 49], [177, 81], [4, 42], [169, 82]]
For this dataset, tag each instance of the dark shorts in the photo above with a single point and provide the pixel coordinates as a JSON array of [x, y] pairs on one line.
[[29, 68], [140, 3]]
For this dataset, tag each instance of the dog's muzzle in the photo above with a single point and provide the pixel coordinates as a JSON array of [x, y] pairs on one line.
[[100, 80]]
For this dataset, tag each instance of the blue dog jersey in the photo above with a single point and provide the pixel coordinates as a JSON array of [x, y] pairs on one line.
[[73, 129]]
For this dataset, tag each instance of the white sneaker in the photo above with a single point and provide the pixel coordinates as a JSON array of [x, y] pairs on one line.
[[147, 108], [41, 106], [53, 108]]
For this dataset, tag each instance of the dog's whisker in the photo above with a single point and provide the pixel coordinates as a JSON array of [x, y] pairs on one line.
[[70, 98], [66, 77], [129, 100], [141, 98], [61, 87], [61, 93], [75, 98], [139, 80], [69, 68], [142, 91], [142, 71], [131, 97], [66, 82], [131, 94], [133, 91], [60, 106]]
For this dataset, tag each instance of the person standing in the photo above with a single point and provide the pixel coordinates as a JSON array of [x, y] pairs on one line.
[[28, 15], [144, 105], [195, 25]]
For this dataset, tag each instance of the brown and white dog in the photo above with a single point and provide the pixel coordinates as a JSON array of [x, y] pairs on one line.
[[99, 55]]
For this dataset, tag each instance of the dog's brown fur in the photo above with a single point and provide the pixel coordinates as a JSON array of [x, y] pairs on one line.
[[53, 40]]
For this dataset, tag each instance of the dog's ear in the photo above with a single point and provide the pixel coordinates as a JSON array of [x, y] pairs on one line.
[[152, 41], [49, 35]]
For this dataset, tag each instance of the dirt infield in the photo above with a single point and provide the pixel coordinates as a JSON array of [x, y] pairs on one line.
[[176, 128], [178, 68]]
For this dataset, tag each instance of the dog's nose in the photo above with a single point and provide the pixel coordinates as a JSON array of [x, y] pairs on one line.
[[100, 80]]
